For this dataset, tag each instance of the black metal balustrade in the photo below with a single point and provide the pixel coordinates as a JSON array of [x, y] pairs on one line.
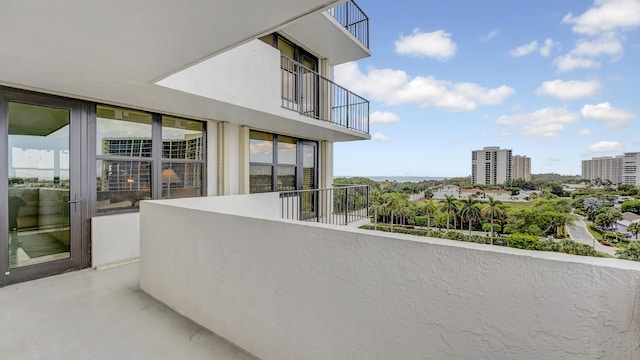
[[307, 92], [338, 205], [353, 19]]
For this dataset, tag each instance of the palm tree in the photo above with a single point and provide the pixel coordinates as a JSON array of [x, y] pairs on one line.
[[470, 211], [441, 219], [492, 210], [634, 228], [427, 208], [449, 207]]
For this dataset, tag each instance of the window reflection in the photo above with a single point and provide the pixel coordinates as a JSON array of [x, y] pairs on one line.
[[261, 178], [286, 150], [181, 180], [122, 132], [122, 184], [261, 147], [181, 138]]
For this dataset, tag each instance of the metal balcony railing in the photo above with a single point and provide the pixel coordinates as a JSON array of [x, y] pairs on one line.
[[338, 205], [307, 92], [353, 19]]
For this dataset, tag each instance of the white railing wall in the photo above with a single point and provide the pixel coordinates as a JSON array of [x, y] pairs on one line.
[[283, 289]]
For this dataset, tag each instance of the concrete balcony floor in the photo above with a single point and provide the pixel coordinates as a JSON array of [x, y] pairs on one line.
[[101, 314]]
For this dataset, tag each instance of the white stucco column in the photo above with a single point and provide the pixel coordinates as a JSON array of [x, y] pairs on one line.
[[326, 164], [243, 164]]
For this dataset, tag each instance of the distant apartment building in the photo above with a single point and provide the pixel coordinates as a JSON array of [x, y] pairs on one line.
[[621, 169], [521, 167], [631, 168], [490, 166]]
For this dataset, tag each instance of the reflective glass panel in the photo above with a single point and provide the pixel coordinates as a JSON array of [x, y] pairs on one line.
[[182, 139], [122, 132], [180, 180], [38, 195], [286, 178], [261, 147], [122, 185], [286, 150], [260, 178]]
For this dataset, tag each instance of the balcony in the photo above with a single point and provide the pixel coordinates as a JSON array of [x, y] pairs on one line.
[[283, 289], [310, 94], [353, 19], [339, 34]]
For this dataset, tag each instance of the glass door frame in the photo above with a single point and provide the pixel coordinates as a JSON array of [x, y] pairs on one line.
[[79, 177]]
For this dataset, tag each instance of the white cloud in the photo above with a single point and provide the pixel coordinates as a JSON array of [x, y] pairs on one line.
[[569, 90], [437, 44], [606, 15], [569, 62], [601, 25], [546, 123], [614, 118], [490, 35], [484, 135], [606, 146], [380, 137], [545, 50], [395, 87], [524, 49], [605, 44], [584, 132], [383, 117]]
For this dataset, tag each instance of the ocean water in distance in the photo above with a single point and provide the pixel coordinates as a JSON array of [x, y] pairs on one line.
[[397, 178]]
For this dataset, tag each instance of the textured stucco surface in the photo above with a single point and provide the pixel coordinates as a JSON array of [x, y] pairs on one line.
[[114, 239], [285, 290]]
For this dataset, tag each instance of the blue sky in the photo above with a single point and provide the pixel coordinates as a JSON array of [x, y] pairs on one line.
[[558, 81]]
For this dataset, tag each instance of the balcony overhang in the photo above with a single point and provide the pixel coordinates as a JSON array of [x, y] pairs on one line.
[[327, 37], [114, 50]]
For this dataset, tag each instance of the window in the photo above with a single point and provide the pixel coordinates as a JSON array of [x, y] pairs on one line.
[[136, 150], [280, 163], [182, 157]]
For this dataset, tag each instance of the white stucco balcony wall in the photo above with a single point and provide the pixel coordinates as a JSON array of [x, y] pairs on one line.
[[286, 290]]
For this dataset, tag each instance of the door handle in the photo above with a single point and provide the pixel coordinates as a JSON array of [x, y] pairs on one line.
[[76, 200]]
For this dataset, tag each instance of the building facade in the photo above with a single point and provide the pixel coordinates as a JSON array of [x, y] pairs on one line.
[[491, 165], [621, 169], [95, 124], [521, 167], [631, 168]]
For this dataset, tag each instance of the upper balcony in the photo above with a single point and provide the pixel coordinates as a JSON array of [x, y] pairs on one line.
[[339, 34], [310, 94], [254, 85]]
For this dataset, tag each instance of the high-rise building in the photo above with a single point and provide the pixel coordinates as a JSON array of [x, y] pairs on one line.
[[490, 165], [621, 169], [631, 168], [521, 167]]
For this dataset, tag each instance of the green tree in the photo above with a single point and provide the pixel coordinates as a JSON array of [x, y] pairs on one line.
[[608, 217], [634, 228], [441, 219], [631, 206], [470, 212], [427, 208], [492, 210], [630, 252], [449, 207]]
